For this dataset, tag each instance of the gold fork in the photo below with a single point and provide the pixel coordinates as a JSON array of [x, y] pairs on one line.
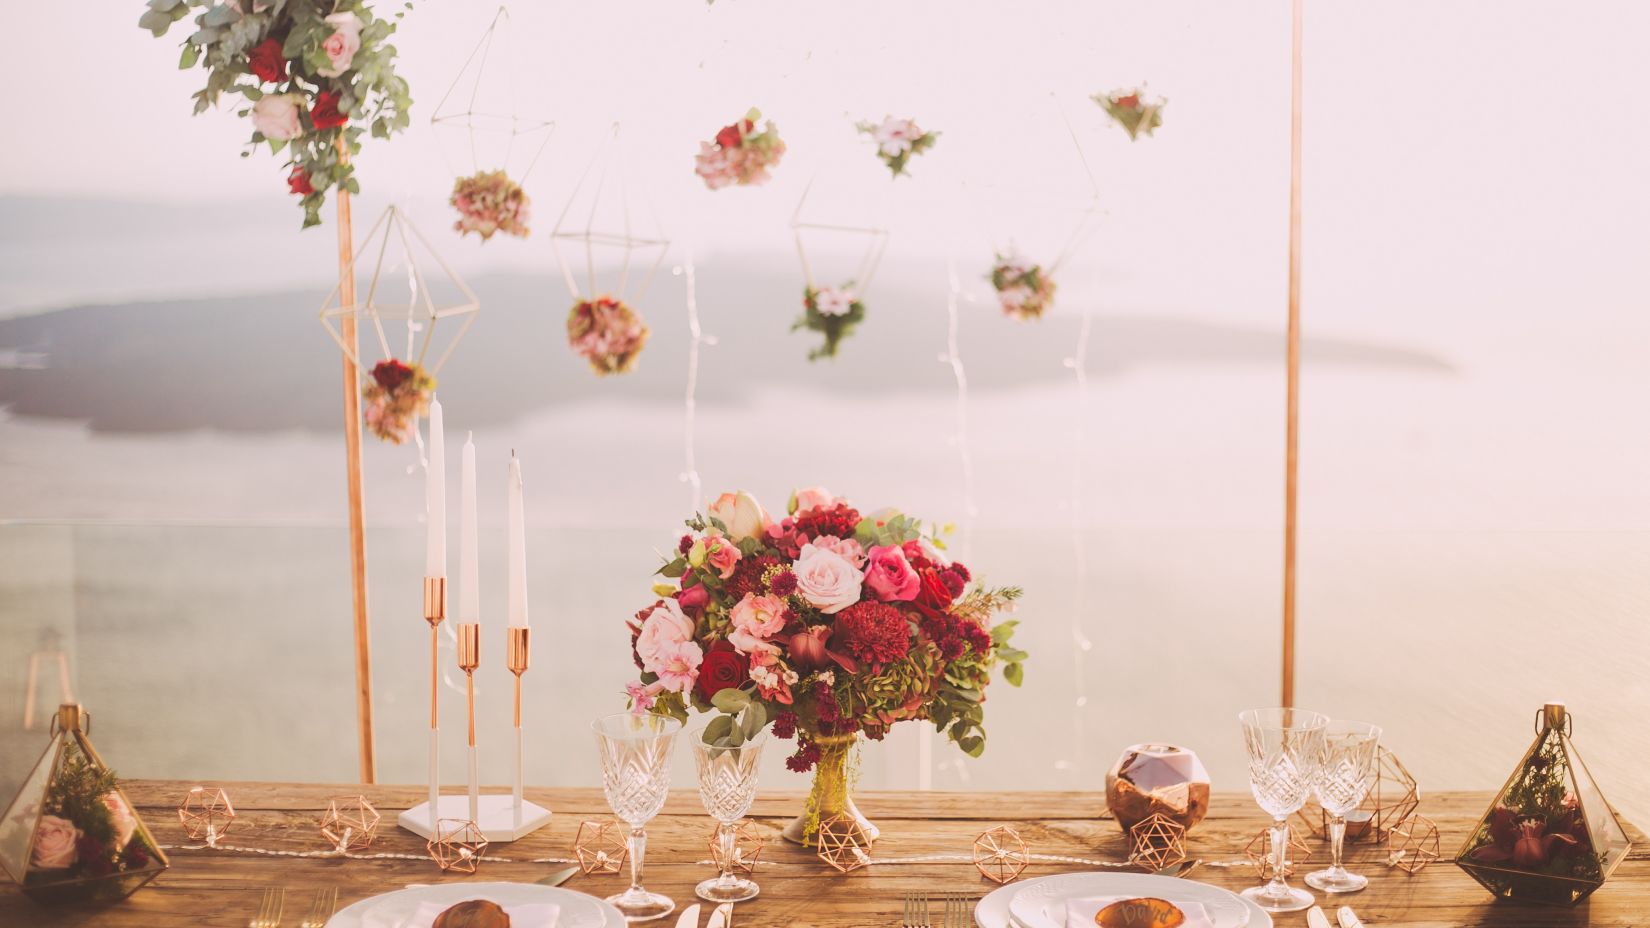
[[916, 911], [269, 908], [321, 909]]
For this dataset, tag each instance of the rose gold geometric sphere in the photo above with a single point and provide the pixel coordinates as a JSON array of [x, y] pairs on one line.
[[747, 848], [600, 847], [457, 846], [1157, 842], [1414, 844], [1259, 852], [1001, 855], [206, 814], [350, 824], [843, 843]]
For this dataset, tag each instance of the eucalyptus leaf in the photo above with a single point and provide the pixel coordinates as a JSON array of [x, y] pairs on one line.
[[221, 15], [155, 21], [1015, 674], [731, 700], [191, 54], [753, 719], [719, 729]]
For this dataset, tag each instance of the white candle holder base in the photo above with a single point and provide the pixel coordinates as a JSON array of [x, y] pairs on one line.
[[497, 816]]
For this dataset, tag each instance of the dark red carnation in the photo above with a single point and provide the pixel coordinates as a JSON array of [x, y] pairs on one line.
[[685, 545], [784, 725], [391, 374], [324, 114], [94, 857], [952, 648], [723, 667], [960, 571], [874, 632], [839, 520], [298, 181], [825, 704], [978, 638], [265, 61], [953, 583], [807, 754], [747, 576], [783, 583]]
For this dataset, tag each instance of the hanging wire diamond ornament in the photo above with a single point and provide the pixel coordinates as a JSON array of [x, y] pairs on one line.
[[747, 848], [350, 824], [1001, 855], [833, 306], [1157, 842], [457, 846], [206, 814], [843, 843], [1259, 852], [600, 847], [1132, 110], [1414, 843]]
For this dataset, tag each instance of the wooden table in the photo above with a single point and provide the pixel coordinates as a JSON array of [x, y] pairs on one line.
[[221, 888]]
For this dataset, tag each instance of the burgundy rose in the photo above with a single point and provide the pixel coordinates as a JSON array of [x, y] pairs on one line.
[[933, 595], [265, 61], [298, 182], [693, 599], [723, 667], [325, 114]]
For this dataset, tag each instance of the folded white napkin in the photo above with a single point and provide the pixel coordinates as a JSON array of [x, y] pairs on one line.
[[538, 915], [1080, 913]]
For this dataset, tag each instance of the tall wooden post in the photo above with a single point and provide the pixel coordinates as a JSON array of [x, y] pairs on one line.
[[352, 465], [1292, 440]]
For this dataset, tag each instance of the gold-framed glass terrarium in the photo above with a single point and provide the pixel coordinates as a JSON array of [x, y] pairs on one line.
[[71, 835], [1550, 837]]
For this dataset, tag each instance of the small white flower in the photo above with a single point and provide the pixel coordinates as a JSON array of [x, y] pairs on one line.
[[827, 677], [791, 678]]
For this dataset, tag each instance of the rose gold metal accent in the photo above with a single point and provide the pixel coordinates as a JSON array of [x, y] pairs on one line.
[[435, 610], [50, 650], [458, 845], [352, 467], [351, 823], [1292, 439], [1000, 854], [469, 658], [516, 653]]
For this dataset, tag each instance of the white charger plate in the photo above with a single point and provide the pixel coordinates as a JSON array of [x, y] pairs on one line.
[[578, 910], [993, 911]]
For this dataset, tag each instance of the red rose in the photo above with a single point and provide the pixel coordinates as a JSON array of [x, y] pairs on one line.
[[934, 593], [722, 667], [265, 61], [1130, 102], [325, 113], [298, 182], [391, 374], [730, 136]]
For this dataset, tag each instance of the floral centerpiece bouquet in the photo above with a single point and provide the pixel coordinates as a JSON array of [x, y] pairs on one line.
[[1024, 289], [489, 202], [607, 333], [1131, 110], [898, 140], [315, 74], [833, 312], [393, 399], [740, 155], [825, 625]]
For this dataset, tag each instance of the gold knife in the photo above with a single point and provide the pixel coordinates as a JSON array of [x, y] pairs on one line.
[[559, 877]]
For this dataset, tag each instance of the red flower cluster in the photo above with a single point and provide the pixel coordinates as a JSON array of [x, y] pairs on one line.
[[266, 61], [391, 374], [325, 114], [298, 181], [747, 576], [874, 632]]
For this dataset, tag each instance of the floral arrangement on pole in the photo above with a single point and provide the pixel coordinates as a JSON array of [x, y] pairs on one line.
[[489, 202], [833, 312], [607, 333], [1024, 289], [897, 140], [740, 155], [1131, 110], [315, 74], [827, 625], [394, 398], [86, 830]]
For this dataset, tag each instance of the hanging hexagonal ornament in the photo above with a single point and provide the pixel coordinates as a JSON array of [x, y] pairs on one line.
[[839, 251]]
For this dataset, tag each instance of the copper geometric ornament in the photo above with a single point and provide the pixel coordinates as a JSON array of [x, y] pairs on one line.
[[843, 843], [747, 848], [1001, 855], [1156, 843], [1414, 844], [1259, 852], [206, 814], [1393, 797], [599, 847], [350, 824], [457, 846]]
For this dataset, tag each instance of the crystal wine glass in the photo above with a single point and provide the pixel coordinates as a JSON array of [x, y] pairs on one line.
[[1285, 747], [1348, 772], [635, 752], [727, 785]]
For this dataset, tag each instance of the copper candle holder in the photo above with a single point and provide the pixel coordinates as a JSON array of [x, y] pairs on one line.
[[469, 658]]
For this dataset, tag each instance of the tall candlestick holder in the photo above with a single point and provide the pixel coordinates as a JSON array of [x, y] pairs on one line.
[[516, 658], [421, 819]]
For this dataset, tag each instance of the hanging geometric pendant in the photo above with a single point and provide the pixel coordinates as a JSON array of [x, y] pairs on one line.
[[1550, 837], [71, 835], [833, 306]]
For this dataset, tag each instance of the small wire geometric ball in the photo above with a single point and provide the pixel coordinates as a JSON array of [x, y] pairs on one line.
[[843, 843], [350, 824], [599, 847], [457, 846], [1157, 842], [1001, 855], [206, 814], [747, 848], [1259, 852], [1414, 844]]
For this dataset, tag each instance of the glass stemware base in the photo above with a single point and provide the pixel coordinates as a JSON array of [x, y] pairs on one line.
[[639, 905], [731, 889], [1278, 897], [1336, 880]]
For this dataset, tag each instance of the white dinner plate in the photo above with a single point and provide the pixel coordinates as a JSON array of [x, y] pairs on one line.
[[993, 911], [577, 909], [1044, 905]]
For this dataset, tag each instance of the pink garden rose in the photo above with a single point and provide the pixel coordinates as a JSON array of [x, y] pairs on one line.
[[826, 579], [722, 556], [120, 816], [847, 547], [342, 45], [664, 630], [678, 667], [759, 616], [54, 840], [276, 116], [742, 514], [890, 576]]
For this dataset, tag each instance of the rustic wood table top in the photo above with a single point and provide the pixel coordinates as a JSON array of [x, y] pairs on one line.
[[222, 887]]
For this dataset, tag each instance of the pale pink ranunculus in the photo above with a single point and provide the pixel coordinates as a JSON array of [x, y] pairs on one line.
[[743, 516], [54, 840], [808, 499], [678, 667], [850, 549], [342, 45], [890, 576], [722, 556], [826, 579], [760, 616], [276, 116], [120, 817], [664, 629]]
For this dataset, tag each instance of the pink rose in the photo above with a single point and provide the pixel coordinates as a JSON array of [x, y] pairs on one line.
[[890, 576], [847, 547], [664, 630], [722, 556], [276, 116], [54, 840], [120, 817], [743, 516], [759, 616], [812, 498], [678, 667], [693, 599], [342, 45], [826, 579]]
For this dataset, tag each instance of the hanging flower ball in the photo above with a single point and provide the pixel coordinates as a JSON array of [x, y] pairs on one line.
[[394, 398], [1024, 289], [898, 140], [607, 333], [489, 202], [740, 155], [832, 312]]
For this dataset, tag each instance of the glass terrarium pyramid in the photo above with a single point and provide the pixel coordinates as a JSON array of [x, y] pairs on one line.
[[1550, 836], [71, 835]]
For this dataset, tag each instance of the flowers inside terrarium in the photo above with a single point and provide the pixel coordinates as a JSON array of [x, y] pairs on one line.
[[1132, 110], [489, 202], [607, 333], [898, 140], [833, 312], [740, 155], [1024, 289], [395, 397]]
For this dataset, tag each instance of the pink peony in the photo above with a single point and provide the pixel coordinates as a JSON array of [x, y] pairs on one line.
[[890, 576], [54, 841], [759, 616], [678, 667], [664, 630], [826, 579], [120, 816], [342, 45]]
